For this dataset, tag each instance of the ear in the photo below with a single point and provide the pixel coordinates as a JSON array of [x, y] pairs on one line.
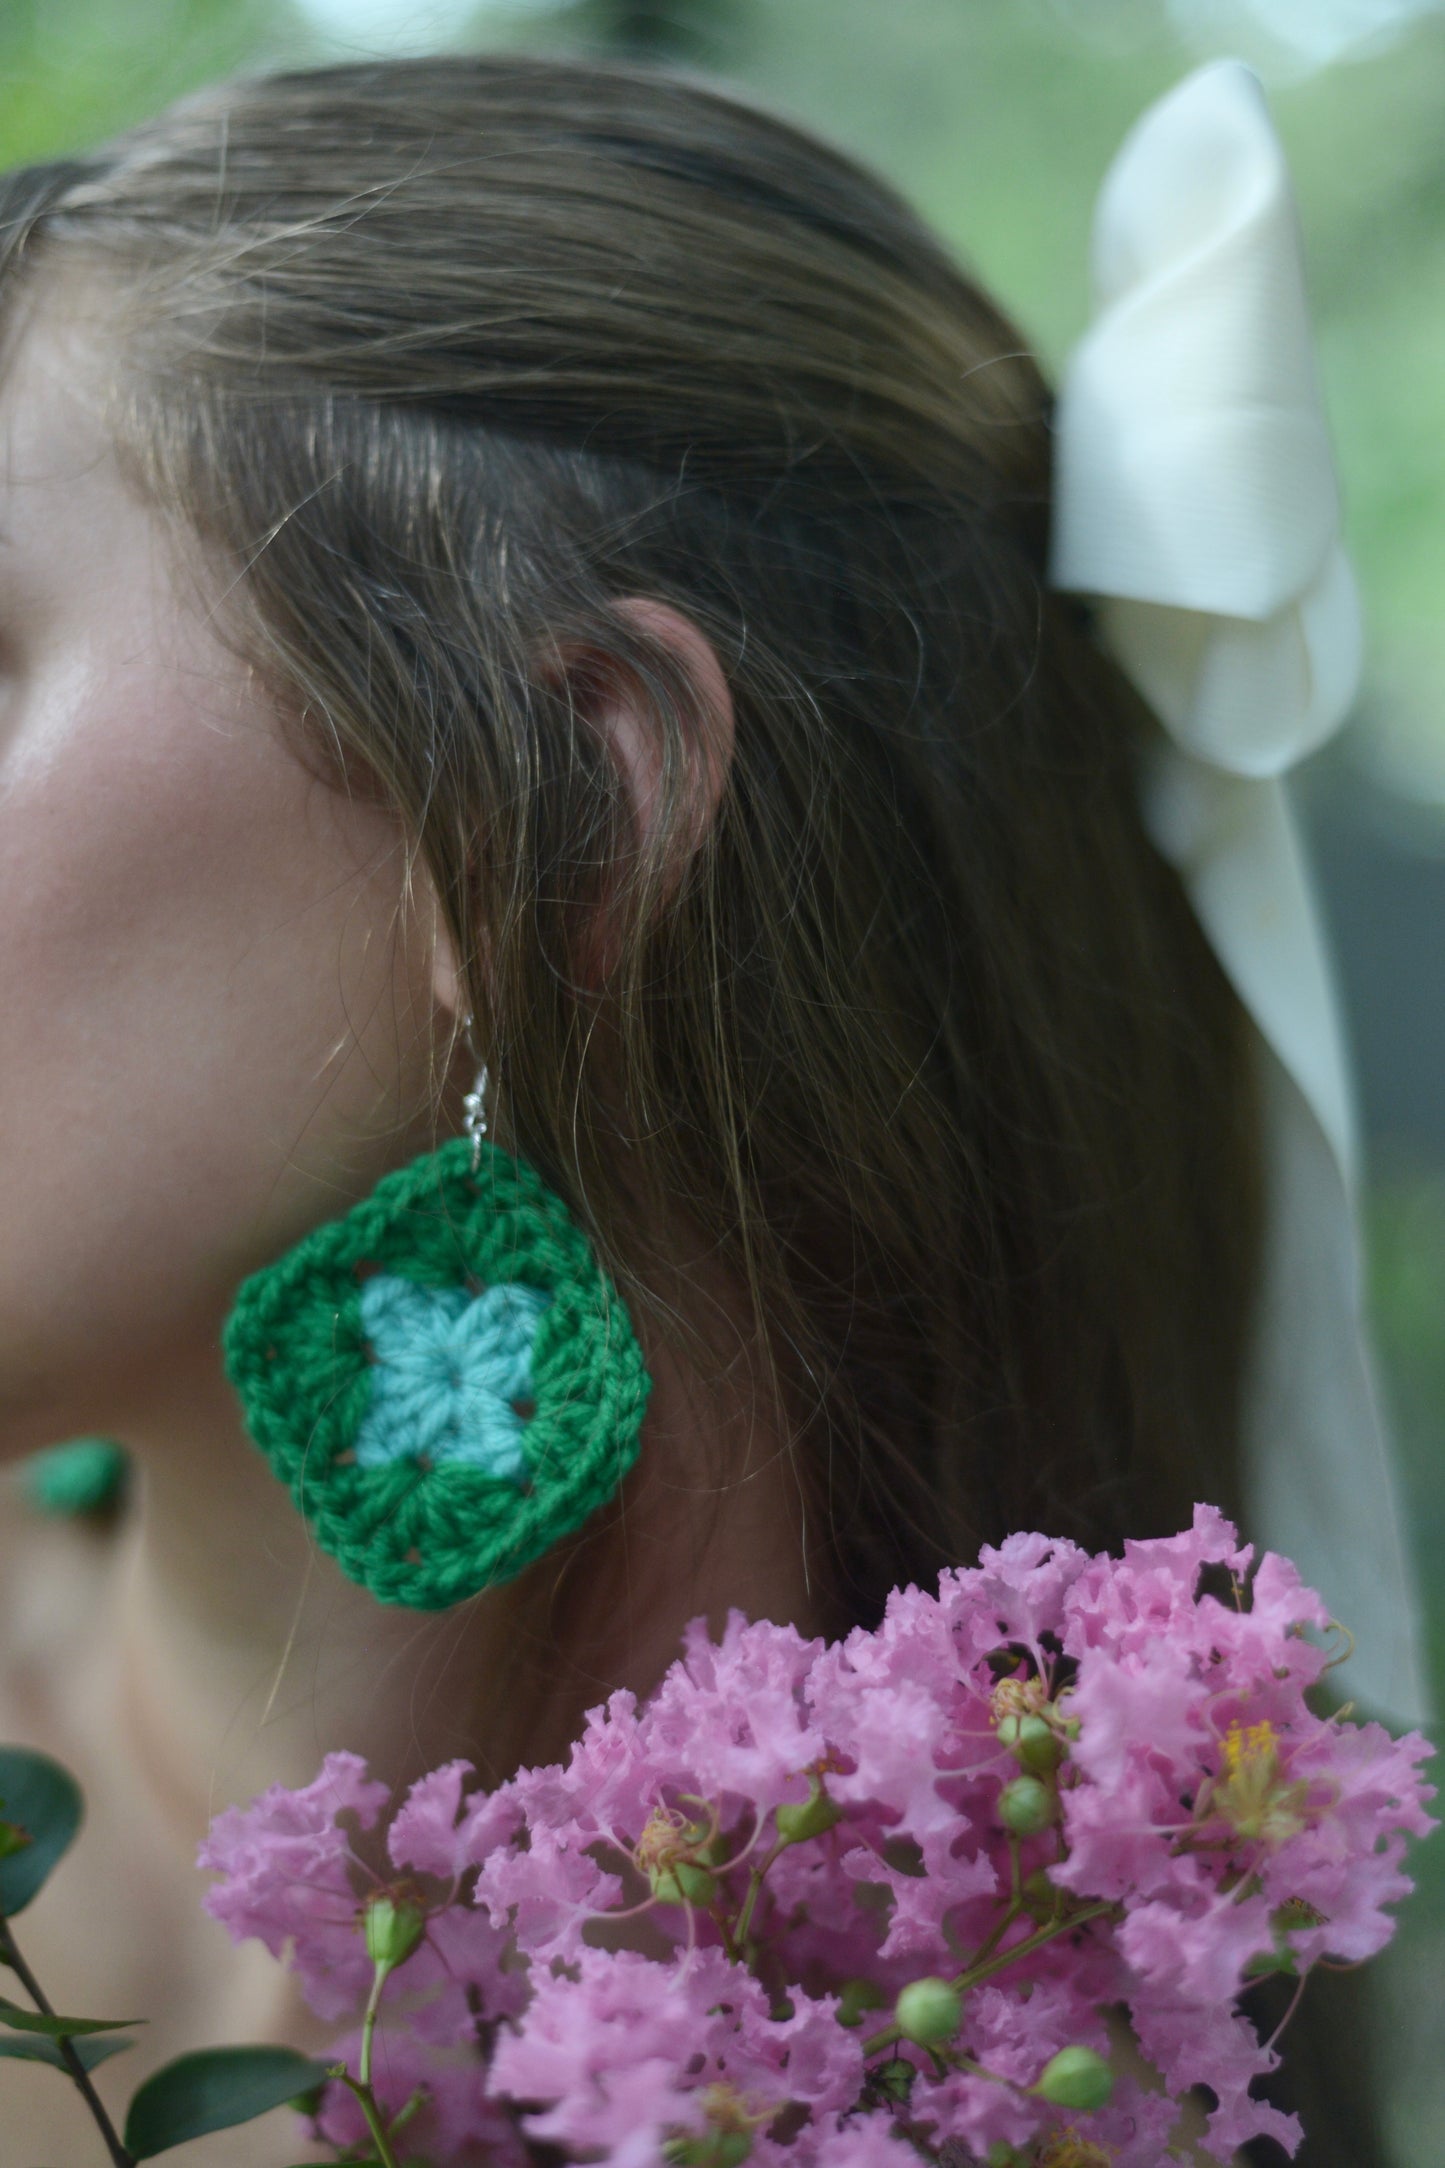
[[612, 694], [620, 714], [446, 977], [610, 690]]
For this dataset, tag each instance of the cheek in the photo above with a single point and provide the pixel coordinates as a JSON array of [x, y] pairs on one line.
[[212, 1024]]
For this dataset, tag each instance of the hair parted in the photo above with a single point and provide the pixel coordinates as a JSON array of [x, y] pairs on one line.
[[922, 1043]]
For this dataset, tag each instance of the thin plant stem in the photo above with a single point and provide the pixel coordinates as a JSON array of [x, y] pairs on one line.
[[1007, 1918], [1294, 2003], [361, 2084], [374, 2124], [368, 2022], [74, 2067], [982, 1970], [755, 1883], [985, 1968]]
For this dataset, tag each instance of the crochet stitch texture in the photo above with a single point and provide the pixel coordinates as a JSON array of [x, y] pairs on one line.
[[451, 1370], [445, 1379]]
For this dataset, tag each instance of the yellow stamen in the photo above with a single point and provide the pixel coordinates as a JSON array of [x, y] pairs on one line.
[[1019, 1697], [1254, 1797], [667, 1837], [1066, 2149], [727, 2111], [1246, 1748]]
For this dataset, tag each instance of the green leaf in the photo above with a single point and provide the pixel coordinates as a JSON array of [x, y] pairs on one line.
[[27, 2049], [44, 1800], [214, 2089], [60, 2028]]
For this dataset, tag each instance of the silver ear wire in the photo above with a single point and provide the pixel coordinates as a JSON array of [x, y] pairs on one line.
[[474, 1105], [474, 1115]]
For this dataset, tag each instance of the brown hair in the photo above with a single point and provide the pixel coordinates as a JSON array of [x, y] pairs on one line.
[[925, 1045]]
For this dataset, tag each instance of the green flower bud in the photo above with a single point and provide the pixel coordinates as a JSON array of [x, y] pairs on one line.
[[1008, 1730], [1040, 1898], [713, 2149], [1026, 1806], [683, 1883], [727, 2149], [1003, 2156], [394, 1927], [1076, 2078], [1039, 1746], [858, 1996], [809, 1818], [928, 2012]]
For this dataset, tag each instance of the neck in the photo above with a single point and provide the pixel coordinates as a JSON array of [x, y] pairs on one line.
[[241, 1654]]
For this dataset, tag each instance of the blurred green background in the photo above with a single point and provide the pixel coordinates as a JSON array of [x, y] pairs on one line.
[[998, 117]]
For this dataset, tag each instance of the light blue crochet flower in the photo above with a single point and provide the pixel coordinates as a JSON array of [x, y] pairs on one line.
[[448, 1367]]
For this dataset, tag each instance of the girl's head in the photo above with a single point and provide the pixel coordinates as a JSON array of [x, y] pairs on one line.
[[551, 544]]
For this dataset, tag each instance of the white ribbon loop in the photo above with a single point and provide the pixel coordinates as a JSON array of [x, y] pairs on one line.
[[1195, 499], [1194, 466]]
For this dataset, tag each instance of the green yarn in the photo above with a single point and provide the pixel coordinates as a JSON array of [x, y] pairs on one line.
[[424, 1531], [85, 1475]]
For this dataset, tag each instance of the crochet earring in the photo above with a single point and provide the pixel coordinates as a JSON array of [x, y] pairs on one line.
[[445, 1379]]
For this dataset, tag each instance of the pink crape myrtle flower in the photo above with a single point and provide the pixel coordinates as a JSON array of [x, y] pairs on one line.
[[291, 1879], [629, 2059], [285, 1865], [862, 1904]]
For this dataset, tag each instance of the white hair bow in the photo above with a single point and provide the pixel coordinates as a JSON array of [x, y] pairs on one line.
[[1195, 497]]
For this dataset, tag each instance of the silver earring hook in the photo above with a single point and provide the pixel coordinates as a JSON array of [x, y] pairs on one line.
[[474, 1115], [474, 1104]]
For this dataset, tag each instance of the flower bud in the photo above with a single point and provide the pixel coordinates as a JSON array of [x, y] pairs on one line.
[[858, 1996], [809, 1818], [712, 2149], [1026, 1806], [1034, 1740], [1076, 2078], [394, 1927], [928, 2011], [683, 1883], [728, 2149], [1039, 1746], [1040, 1898]]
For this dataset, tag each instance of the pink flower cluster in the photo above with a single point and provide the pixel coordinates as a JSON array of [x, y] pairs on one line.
[[855, 1904]]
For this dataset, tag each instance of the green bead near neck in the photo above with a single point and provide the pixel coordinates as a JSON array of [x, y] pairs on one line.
[[84, 1477]]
